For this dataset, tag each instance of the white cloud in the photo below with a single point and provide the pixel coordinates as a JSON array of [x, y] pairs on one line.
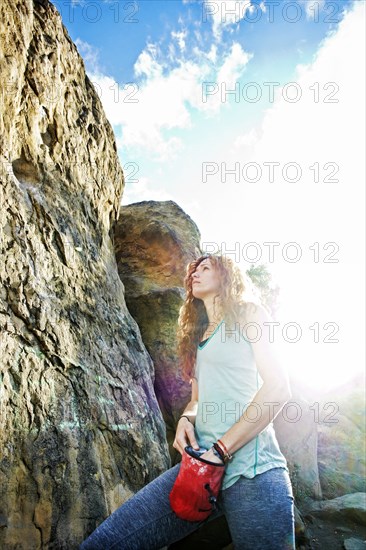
[[143, 190], [233, 65], [331, 102], [90, 55], [307, 132], [212, 54], [164, 99], [144, 112], [226, 13], [146, 64], [313, 8], [180, 38], [246, 140], [225, 80], [327, 88]]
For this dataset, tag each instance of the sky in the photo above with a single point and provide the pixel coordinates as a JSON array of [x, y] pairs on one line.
[[250, 116]]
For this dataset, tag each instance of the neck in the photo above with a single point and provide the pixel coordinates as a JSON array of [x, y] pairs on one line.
[[214, 312]]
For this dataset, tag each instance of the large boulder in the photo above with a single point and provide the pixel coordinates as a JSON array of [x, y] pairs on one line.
[[352, 506], [296, 431], [342, 440], [154, 242], [80, 426], [354, 544]]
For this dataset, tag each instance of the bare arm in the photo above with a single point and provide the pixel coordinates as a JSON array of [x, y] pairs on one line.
[[191, 408], [185, 434], [270, 398]]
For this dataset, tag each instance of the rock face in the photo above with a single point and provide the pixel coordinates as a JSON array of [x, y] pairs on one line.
[[154, 242], [80, 426], [352, 506], [354, 544], [342, 442], [297, 434]]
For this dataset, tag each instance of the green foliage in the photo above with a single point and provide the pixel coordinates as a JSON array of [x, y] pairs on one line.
[[262, 279]]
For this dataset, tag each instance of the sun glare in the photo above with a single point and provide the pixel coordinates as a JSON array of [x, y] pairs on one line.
[[321, 332]]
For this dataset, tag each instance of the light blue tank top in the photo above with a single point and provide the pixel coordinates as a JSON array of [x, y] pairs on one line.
[[228, 379]]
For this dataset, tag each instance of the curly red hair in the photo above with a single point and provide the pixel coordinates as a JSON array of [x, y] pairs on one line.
[[230, 303]]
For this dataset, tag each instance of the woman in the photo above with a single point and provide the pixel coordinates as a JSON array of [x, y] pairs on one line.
[[238, 387]]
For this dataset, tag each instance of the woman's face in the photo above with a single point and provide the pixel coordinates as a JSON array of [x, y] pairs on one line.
[[205, 280]]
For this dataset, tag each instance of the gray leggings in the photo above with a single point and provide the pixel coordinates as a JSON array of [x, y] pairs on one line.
[[259, 513]]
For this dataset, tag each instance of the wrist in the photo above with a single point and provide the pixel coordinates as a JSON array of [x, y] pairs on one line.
[[217, 454], [186, 417], [222, 450]]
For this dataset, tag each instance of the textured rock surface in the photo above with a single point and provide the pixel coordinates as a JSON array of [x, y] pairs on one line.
[[298, 442], [342, 441], [80, 426], [352, 506], [154, 242], [354, 544]]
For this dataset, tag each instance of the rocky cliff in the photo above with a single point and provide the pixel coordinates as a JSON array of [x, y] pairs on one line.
[[154, 242], [80, 426]]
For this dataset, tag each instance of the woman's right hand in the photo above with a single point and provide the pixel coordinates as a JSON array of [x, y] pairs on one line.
[[184, 435]]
